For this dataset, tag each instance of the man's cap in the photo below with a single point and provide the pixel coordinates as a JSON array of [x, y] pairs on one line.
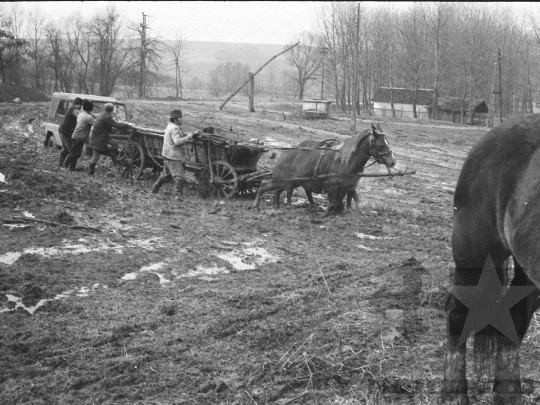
[[176, 114], [87, 105], [109, 107]]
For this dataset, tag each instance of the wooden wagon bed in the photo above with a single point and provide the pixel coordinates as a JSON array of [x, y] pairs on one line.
[[222, 166]]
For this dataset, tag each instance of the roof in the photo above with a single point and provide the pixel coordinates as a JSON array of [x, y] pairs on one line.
[[455, 104], [403, 96], [91, 97]]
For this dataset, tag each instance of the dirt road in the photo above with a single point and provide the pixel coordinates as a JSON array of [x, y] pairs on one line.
[[208, 302]]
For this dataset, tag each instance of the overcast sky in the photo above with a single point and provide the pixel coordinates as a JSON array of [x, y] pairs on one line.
[[261, 22], [253, 22]]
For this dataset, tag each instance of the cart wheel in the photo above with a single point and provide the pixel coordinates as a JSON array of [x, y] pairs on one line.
[[133, 164], [225, 180]]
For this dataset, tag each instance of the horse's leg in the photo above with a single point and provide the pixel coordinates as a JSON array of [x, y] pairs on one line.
[[289, 196], [335, 201], [309, 196], [507, 385], [265, 186], [472, 242], [356, 199], [277, 195], [352, 194]]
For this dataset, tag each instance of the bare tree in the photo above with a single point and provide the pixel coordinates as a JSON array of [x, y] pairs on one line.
[[81, 39], [306, 59], [176, 48], [227, 77], [110, 49], [437, 18], [37, 48], [413, 54], [149, 51]]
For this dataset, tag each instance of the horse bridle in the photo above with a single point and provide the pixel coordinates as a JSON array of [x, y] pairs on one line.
[[377, 158]]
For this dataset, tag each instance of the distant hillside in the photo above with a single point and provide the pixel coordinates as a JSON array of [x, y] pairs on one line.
[[200, 57], [218, 52]]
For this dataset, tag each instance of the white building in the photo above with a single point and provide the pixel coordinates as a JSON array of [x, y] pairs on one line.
[[403, 102]]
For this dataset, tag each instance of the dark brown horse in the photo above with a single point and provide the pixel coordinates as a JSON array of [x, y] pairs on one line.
[[335, 171], [496, 216], [327, 144]]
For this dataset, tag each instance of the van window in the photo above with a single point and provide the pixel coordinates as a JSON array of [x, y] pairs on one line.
[[63, 107]]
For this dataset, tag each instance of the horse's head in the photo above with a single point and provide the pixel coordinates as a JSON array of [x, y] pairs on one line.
[[379, 147]]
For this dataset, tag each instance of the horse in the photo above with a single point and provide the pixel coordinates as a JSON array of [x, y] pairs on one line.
[[496, 217], [326, 144], [335, 171]]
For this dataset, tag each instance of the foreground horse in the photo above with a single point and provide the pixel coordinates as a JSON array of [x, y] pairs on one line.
[[335, 171], [327, 144], [496, 215]]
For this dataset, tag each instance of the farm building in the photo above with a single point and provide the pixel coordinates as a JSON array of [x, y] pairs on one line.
[[403, 102], [450, 110], [316, 108]]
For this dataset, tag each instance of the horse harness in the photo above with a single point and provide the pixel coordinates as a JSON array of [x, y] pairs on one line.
[[376, 159]]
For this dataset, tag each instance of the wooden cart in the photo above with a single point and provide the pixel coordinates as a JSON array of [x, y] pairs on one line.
[[223, 167]]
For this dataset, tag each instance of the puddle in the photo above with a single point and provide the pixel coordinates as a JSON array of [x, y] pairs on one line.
[[81, 292], [241, 259], [14, 226], [28, 215], [367, 248], [364, 236], [249, 258], [11, 257], [204, 272], [149, 269], [152, 268]]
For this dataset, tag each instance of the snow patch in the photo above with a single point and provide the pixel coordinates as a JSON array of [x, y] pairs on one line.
[[80, 292]]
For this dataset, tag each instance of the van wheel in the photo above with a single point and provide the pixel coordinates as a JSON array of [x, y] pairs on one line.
[[48, 141]]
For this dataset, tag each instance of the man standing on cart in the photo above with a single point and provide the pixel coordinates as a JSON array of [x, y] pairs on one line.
[[173, 155]]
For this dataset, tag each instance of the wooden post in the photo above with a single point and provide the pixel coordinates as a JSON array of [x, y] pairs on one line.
[[251, 105], [258, 70], [500, 86]]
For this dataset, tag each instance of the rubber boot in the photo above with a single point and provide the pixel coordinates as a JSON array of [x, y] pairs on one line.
[[62, 160], [157, 185], [179, 187], [72, 164], [91, 168]]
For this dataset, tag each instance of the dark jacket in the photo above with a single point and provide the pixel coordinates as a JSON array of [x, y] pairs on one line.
[[70, 121], [100, 135]]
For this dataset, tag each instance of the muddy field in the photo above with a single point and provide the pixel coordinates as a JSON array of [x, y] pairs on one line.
[[209, 302]]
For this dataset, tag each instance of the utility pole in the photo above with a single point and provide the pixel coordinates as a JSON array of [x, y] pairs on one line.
[[500, 86], [355, 68], [324, 51], [143, 58], [491, 114]]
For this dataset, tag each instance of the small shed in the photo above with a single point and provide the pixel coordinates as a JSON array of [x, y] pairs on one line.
[[403, 102], [316, 108], [450, 110]]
